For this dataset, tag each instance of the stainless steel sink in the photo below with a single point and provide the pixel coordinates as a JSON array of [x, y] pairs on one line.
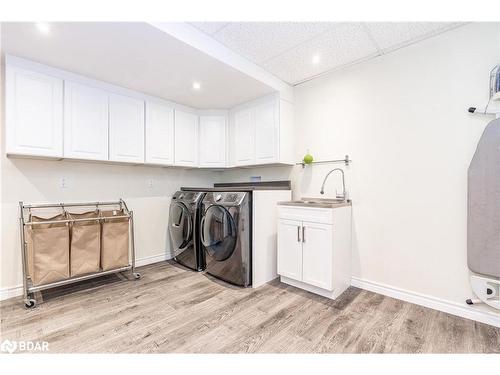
[[317, 202]]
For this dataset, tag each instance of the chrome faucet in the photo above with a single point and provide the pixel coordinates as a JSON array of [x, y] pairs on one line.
[[343, 196]]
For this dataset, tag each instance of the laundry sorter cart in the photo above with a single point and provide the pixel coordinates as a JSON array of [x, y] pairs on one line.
[[80, 242]]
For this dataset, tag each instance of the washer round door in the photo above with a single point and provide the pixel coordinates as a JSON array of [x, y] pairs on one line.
[[181, 227], [218, 232]]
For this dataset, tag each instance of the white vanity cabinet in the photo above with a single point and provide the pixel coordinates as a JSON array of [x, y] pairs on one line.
[[261, 132], [314, 248], [85, 122], [159, 134], [212, 135], [34, 113]]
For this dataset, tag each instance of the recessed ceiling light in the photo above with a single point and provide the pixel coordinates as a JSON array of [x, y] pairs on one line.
[[315, 59], [196, 86], [43, 27]]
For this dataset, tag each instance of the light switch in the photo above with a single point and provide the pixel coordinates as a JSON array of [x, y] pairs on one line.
[[150, 183]]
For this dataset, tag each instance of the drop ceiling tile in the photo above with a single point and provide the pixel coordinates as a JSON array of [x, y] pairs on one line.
[[209, 28], [260, 41], [393, 35], [343, 44]]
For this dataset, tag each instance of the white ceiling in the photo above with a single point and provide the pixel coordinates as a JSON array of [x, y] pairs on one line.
[[286, 49], [136, 56]]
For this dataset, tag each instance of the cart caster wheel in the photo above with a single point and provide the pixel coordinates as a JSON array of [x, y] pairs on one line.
[[30, 303], [137, 275]]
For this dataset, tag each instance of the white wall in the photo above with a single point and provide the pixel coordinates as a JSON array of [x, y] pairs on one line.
[[402, 118], [37, 181]]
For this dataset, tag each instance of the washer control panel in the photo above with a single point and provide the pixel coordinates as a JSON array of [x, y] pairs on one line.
[[225, 198]]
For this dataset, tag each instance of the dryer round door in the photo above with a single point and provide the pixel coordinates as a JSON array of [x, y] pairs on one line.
[[218, 232], [181, 226]]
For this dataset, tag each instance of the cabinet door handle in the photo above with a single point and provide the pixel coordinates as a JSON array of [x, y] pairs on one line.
[[298, 234], [303, 234]]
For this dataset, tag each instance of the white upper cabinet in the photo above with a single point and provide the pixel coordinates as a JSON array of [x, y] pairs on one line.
[[126, 129], [85, 122], [267, 133], [34, 113], [159, 134], [58, 114], [243, 145], [212, 141], [186, 139], [262, 132]]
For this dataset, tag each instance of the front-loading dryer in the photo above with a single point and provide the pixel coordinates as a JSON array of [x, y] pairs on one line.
[[184, 219], [226, 232]]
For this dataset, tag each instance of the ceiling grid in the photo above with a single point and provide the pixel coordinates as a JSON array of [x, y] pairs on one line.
[[296, 52]]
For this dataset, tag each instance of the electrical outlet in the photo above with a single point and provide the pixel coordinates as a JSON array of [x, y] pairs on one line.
[[64, 182], [150, 183]]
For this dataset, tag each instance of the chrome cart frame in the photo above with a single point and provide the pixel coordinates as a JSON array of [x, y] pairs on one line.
[[28, 288]]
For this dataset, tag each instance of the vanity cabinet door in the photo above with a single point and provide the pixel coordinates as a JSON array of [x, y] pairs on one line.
[[317, 255], [290, 249]]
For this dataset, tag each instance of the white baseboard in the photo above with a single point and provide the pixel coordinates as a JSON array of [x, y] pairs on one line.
[[152, 259], [454, 308], [14, 291]]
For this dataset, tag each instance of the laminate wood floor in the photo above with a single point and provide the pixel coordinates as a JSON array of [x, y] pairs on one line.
[[172, 309]]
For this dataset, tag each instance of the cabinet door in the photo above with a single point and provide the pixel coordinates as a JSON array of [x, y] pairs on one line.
[[290, 249], [159, 134], [186, 139], [212, 141], [317, 255], [244, 137], [34, 113], [266, 133], [126, 129], [85, 122]]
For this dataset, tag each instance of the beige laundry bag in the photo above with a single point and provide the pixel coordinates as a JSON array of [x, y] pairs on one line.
[[47, 250], [85, 250], [114, 240]]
